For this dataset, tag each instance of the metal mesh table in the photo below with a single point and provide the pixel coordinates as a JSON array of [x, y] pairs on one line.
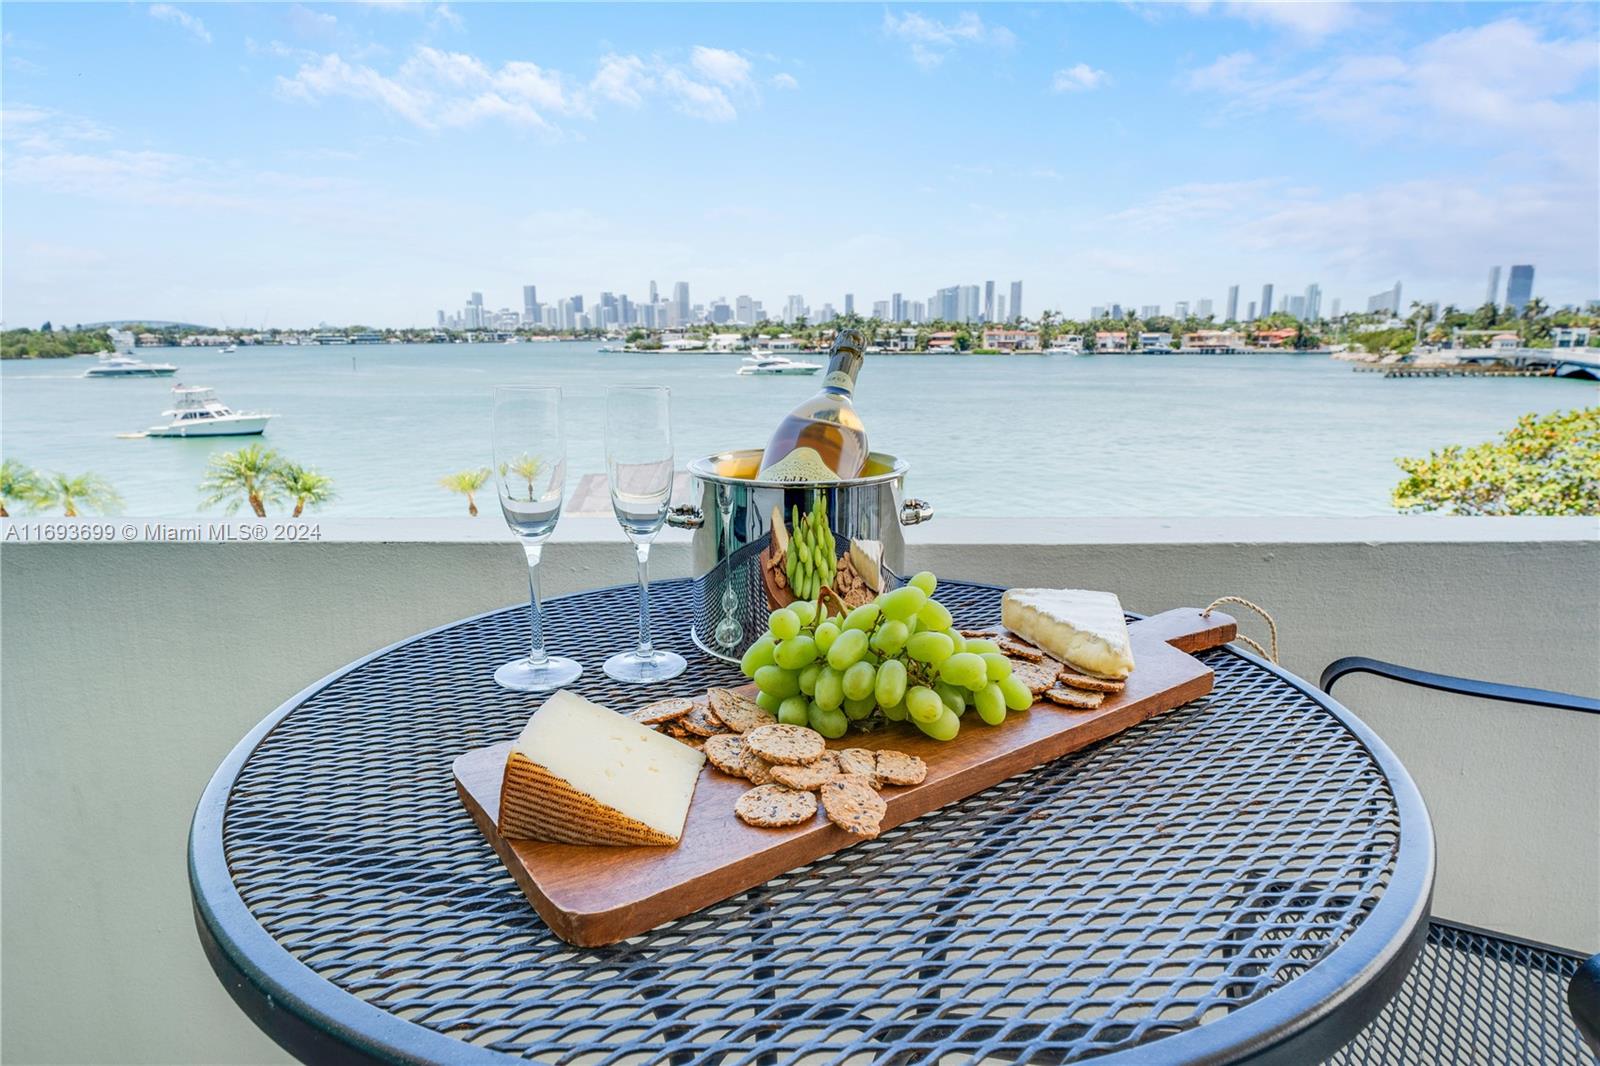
[[1245, 878]]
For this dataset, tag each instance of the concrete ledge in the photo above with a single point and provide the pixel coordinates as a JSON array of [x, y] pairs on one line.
[[155, 658]]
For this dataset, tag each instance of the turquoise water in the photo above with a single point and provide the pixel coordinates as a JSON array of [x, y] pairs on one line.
[[1034, 436]]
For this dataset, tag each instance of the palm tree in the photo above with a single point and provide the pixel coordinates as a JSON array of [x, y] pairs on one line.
[[523, 466], [247, 474], [306, 488], [467, 482], [70, 492], [19, 486]]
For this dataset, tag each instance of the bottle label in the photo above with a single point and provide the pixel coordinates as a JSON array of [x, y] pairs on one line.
[[802, 464], [838, 379]]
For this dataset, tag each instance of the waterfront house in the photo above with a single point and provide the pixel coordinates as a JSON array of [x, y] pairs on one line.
[[781, 343], [149, 340], [1067, 342], [1111, 341], [1570, 336], [1274, 338], [1504, 343], [726, 342], [898, 340], [1155, 341], [1213, 341], [1011, 340], [942, 342]]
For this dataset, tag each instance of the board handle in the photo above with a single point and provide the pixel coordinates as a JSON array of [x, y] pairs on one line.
[[1186, 629]]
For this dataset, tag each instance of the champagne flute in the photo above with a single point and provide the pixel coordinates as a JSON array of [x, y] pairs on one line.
[[639, 467], [530, 475]]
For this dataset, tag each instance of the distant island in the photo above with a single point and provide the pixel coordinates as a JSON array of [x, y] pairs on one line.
[[1378, 334]]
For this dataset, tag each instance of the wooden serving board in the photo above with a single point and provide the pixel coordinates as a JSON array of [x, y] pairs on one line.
[[599, 895]]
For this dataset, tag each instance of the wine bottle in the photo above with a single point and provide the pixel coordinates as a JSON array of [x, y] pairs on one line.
[[823, 439]]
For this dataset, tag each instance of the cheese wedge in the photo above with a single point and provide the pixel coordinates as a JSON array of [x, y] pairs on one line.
[[582, 774], [1086, 629]]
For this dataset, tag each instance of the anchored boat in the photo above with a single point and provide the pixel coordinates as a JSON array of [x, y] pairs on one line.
[[198, 413]]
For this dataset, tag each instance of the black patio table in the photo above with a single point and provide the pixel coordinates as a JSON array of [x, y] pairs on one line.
[[1246, 878]]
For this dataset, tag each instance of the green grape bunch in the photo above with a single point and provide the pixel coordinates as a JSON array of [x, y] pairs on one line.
[[813, 558], [895, 659]]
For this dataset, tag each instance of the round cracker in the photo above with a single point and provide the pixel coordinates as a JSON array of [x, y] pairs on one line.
[[792, 745], [701, 720], [898, 768], [774, 806], [740, 712], [1038, 676], [723, 751], [856, 761], [755, 769], [1088, 682], [666, 710], [1071, 697], [854, 805], [809, 777]]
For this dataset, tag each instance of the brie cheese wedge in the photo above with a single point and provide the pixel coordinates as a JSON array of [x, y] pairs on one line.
[[1083, 628]]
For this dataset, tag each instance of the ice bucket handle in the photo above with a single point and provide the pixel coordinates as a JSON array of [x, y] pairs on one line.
[[914, 511], [686, 516]]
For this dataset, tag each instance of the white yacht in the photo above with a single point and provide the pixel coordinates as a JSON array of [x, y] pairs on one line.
[[198, 413], [775, 364], [117, 365], [227, 348]]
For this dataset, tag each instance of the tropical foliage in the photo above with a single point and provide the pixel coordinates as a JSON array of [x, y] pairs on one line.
[[46, 343], [19, 487], [304, 486], [76, 493], [1545, 465], [467, 483], [247, 476]]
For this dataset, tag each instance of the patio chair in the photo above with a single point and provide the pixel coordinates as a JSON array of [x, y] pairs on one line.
[[1476, 995]]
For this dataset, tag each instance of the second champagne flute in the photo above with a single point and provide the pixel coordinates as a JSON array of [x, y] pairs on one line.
[[639, 467]]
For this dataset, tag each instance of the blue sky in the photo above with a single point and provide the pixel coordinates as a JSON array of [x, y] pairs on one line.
[[292, 163]]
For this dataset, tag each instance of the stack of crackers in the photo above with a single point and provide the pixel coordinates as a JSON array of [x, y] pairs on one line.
[[1047, 677], [693, 720]]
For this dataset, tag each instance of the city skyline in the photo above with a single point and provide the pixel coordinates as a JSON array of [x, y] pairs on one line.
[[390, 153]]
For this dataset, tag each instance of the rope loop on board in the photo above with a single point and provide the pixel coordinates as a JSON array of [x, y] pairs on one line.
[[1272, 627]]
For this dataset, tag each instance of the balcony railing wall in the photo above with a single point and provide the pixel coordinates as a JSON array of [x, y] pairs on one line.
[[127, 671]]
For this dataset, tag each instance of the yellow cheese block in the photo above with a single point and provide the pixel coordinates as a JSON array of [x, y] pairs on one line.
[[1084, 628], [582, 774]]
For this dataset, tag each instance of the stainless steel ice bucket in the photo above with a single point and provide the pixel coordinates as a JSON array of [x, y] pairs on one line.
[[732, 523]]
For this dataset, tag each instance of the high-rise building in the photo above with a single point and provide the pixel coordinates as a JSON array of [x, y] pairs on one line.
[[654, 296], [1386, 301], [1266, 299], [880, 309], [969, 309], [1250, 315], [794, 309], [897, 308], [626, 311], [474, 316], [1334, 312], [680, 300], [1014, 307], [1233, 303], [1000, 309], [1519, 287], [530, 304], [1180, 310], [948, 302], [1116, 310], [849, 303], [988, 301], [1313, 302], [441, 320], [720, 311], [744, 310], [1297, 307], [1202, 309], [1150, 311], [1097, 311], [1493, 299]]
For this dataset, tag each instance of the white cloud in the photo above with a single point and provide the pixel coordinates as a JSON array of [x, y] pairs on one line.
[[783, 81], [1311, 20], [720, 65], [1077, 78], [168, 13], [1500, 86], [44, 129], [932, 39], [309, 23], [436, 88]]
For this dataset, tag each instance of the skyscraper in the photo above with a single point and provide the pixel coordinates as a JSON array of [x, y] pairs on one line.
[[1493, 299], [475, 311], [744, 310], [1202, 309], [1519, 287], [1266, 299], [968, 308], [897, 308], [988, 301], [530, 304], [1150, 311], [1297, 307], [1014, 305], [1250, 315], [1387, 300], [680, 300], [1335, 312], [1233, 303], [654, 296], [1313, 302], [849, 303], [1180, 310]]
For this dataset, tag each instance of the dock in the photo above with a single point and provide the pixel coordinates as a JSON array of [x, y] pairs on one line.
[[1458, 370]]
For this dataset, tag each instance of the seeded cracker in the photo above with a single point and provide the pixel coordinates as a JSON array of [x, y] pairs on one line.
[[740, 712], [723, 751], [701, 721], [1013, 648], [1075, 698], [772, 806], [1037, 676], [662, 710], [853, 805], [1072, 679], [755, 769], [857, 761], [792, 745], [810, 777], [898, 768]]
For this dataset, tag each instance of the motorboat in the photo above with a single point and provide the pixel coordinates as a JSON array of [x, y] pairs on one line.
[[775, 364], [117, 365], [196, 412], [229, 348]]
